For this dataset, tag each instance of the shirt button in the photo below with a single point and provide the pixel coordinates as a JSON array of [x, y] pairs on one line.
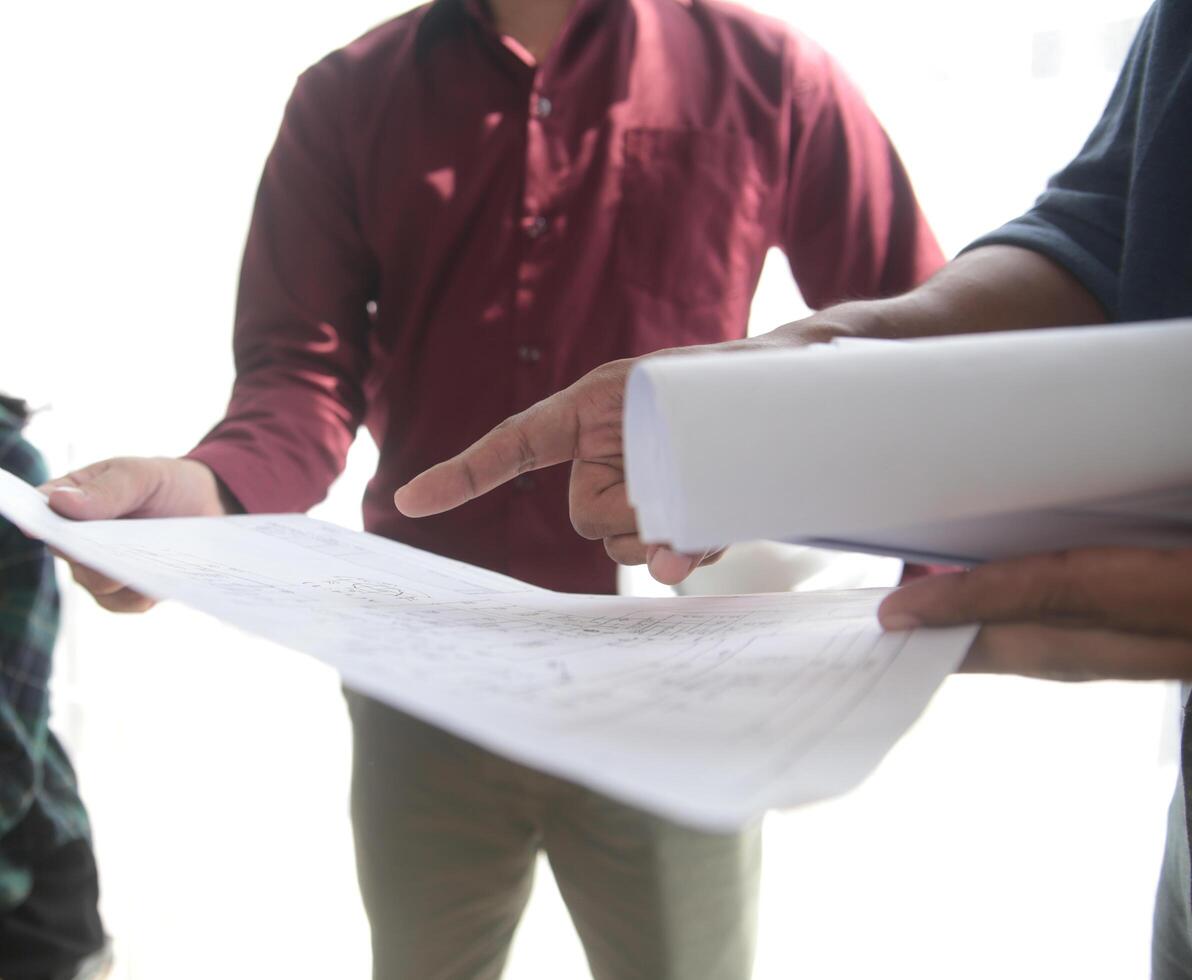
[[535, 226], [523, 483], [543, 106], [529, 353]]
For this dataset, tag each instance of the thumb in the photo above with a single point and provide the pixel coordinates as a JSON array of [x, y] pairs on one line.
[[671, 567], [109, 489]]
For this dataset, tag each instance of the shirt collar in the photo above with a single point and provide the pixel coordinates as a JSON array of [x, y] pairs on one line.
[[442, 18], [446, 17]]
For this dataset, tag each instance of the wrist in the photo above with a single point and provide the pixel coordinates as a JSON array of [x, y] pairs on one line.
[[862, 318], [196, 489]]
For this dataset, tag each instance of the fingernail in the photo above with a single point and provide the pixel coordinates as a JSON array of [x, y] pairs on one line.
[[896, 622], [79, 491]]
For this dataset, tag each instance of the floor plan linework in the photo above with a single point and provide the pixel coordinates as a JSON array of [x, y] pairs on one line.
[[708, 710]]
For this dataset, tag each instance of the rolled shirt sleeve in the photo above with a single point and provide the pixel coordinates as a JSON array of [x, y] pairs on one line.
[[301, 341]]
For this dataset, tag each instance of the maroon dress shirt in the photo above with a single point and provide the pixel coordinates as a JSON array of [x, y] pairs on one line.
[[446, 233]]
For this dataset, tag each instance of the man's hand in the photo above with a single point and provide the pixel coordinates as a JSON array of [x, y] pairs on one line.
[[133, 487], [581, 423], [1076, 615]]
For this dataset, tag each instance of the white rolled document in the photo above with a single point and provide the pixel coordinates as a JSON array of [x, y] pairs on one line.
[[953, 449]]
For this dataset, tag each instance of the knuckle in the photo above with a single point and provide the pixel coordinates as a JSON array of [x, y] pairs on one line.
[[586, 525], [526, 458], [470, 485], [94, 582], [126, 601], [514, 450], [625, 549], [712, 557], [1059, 589]]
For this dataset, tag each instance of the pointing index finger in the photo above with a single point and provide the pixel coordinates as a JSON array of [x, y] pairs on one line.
[[542, 435]]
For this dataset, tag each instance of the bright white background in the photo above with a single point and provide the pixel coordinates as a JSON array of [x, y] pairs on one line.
[[1014, 833]]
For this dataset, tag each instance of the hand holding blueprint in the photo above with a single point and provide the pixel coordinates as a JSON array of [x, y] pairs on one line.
[[708, 710], [957, 449]]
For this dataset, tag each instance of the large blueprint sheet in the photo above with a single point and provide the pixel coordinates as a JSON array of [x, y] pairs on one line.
[[708, 710]]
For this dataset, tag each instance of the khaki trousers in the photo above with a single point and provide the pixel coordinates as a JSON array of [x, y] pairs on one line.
[[446, 839]]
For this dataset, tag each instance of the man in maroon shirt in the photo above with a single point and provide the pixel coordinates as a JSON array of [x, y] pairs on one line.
[[465, 211]]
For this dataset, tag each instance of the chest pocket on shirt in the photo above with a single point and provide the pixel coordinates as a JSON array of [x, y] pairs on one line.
[[690, 232]]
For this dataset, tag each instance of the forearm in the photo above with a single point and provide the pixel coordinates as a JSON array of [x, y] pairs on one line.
[[219, 500], [282, 443], [998, 287]]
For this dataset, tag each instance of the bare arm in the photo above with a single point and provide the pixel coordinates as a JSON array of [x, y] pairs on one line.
[[999, 287]]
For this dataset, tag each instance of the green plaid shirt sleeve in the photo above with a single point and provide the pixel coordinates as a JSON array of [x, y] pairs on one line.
[[34, 770]]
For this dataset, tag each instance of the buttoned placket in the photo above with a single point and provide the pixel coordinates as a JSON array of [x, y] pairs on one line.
[[540, 221], [537, 225]]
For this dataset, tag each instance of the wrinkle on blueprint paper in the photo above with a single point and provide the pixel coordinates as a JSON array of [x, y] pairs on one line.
[[707, 710]]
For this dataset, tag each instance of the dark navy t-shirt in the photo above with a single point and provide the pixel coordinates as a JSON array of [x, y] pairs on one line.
[[1119, 216]]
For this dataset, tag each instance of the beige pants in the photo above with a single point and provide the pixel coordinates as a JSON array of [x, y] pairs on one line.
[[446, 839]]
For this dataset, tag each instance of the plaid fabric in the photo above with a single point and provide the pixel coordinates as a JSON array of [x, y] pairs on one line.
[[37, 784]]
